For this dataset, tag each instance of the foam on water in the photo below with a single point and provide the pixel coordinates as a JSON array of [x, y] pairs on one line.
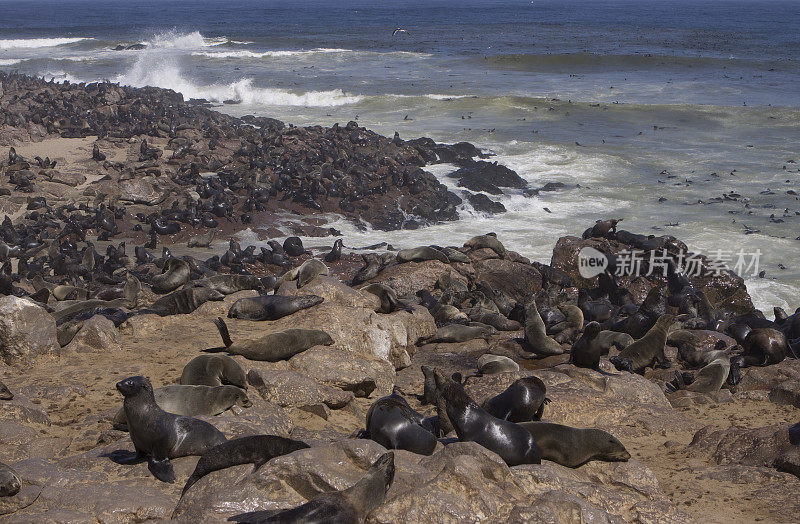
[[9, 61], [33, 43]]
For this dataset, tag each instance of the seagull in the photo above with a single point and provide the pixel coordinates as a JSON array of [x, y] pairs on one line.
[[400, 30]]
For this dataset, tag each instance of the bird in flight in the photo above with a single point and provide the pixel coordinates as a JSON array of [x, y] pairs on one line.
[[400, 30]]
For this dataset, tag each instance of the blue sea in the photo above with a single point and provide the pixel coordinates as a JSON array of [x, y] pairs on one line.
[[647, 110]]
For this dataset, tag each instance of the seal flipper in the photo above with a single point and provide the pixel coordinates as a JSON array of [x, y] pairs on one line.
[[161, 469], [223, 332], [126, 458]]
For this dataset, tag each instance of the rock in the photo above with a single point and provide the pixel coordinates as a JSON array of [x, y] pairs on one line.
[[141, 191], [345, 370], [488, 177], [408, 278], [485, 204], [289, 388], [27, 331], [517, 280], [97, 334]]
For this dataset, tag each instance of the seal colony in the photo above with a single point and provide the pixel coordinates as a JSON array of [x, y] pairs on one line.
[[444, 352]]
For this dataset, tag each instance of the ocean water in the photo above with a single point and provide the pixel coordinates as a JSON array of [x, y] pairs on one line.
[[626, 102]]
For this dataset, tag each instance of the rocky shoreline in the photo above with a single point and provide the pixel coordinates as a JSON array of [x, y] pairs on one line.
[[318, 337]]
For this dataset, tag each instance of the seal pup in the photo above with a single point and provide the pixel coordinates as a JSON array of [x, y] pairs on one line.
[[213, 370], [351, 505], [512, 442], [272, 347], [161, 436], [388, 296], [131, 289], [393, 424], [536, 334], [255, 449], [489, 364], [522, 401], [608, 339], [586, 351], [572, 447], [175, 274], [10, 482], [421, 254], [648, 350], [5, 393], [193, 401], [271, 307]]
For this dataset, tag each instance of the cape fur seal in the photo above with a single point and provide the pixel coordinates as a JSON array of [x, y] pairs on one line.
[[496, 320], [461, 333], [255, 449], [489, 364], [536, 333], [522, 401], [572, 447], [272, 347], [203, 240], [183, 301], [512, 442], [305, 272], [161, 436], [421, 254], [10, 482], [213, 370], [586, 351], [388, 296], [486, 241], [176, 273], [229, 284], [271, 307], [393, 424], [350, 505], [193, 401], [648, 350], [762, 347]]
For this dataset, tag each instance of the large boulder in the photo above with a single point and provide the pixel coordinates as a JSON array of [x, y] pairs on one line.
[[27, 331]]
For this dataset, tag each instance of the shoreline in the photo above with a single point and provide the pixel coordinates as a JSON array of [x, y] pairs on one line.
[[715, 452]]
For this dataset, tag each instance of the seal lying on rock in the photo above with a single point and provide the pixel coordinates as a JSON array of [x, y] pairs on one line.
[[421, 254], [213, 370], [159, 435], [512, 442], [573, 447], [306, 272], [393, 424], [648, 350], [522, 401], [762, 347], [351, 505], [255, 449], [10, 482], [272, 347], [486, 241], [193, 401], [461, 333], [489, 364], [183, 301], [229, 284], [271, 307]]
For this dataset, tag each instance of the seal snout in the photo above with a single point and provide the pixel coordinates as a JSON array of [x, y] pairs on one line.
[[132, 385], [386, 463]]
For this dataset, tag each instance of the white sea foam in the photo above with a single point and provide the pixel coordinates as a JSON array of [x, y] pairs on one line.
[[9, 61], [33, 43]]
